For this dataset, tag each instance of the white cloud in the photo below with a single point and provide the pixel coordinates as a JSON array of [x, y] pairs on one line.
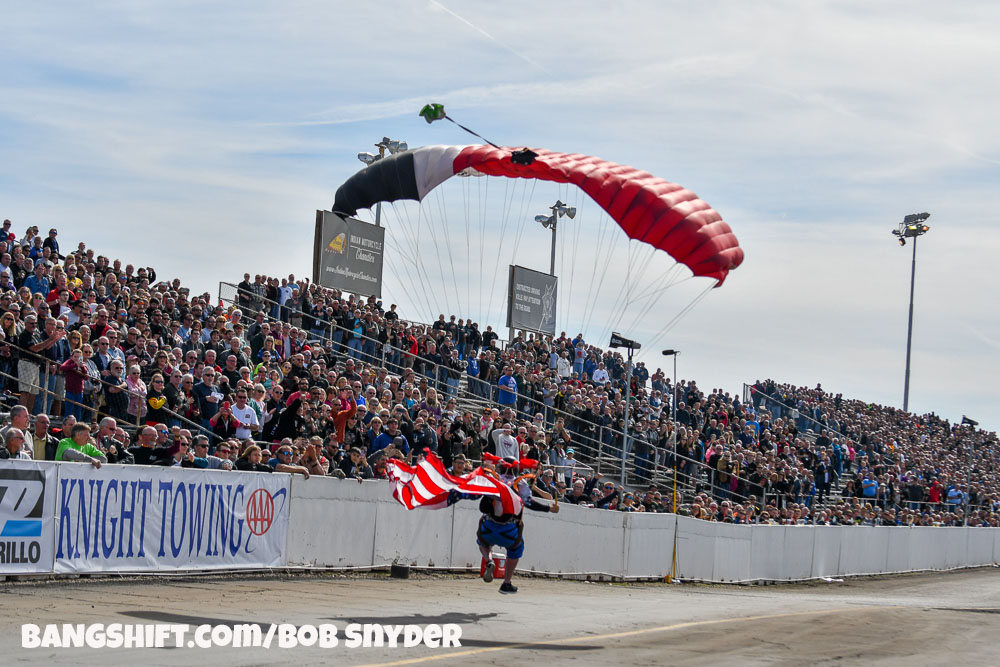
[[200, 137]]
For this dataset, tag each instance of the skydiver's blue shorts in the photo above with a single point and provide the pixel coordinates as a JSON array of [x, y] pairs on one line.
[[507, 535]]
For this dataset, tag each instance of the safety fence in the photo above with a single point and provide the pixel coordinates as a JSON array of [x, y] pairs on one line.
[[69, 518]]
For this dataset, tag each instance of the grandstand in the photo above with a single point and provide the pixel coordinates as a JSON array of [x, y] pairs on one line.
[[770, 452]]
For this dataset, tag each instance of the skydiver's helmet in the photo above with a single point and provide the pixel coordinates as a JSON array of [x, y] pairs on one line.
[[507, 468]]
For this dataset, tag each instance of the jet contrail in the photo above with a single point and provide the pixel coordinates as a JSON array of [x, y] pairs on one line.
[[489, 36]]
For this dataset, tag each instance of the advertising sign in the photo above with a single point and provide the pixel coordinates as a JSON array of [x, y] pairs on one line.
[[27, 505], [348, 254], [531, 300], [139, 518]]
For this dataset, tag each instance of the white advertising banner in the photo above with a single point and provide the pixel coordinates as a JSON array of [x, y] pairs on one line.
[[144, 518], [27, 505]]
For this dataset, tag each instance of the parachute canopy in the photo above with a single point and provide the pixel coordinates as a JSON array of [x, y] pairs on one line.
[[647, 208]]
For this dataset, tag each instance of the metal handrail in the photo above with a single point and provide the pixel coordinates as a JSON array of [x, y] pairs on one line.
[[598, 444], [46, 362], [752, 390]]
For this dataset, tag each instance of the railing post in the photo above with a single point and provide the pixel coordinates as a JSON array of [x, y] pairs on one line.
[[44, 393]]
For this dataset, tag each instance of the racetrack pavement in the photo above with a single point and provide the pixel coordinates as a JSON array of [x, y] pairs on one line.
[[940, 618]]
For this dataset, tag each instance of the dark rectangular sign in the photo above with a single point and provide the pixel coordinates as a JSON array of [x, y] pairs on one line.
[[348, 254], [531, 300]]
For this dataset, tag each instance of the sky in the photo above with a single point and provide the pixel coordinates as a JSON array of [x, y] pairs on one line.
[[201, 137]]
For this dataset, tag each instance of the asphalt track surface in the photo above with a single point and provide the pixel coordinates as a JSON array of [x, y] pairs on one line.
[[923, 619]]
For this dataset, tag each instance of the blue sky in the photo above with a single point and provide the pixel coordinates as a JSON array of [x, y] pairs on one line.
[[200, 137]]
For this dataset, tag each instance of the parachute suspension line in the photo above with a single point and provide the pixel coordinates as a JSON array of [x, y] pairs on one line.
[[439, 257], [484, 205], [509, 194], [505, 220], [620, 302], [604, 273], [482, 238], [398, 246], [414, 240], [512, 218], [562, 265], [447, 241], [434, 292], [417, 265], [640, 270], [679, 316], [392, 270], [468, 246], [577, 233], [408, 231], [567, 299], [566, 250], [392, 230], [523, 213], [522, 216], [591, 295], [652, 289], [653, 297], [479, 220], [634, 269]]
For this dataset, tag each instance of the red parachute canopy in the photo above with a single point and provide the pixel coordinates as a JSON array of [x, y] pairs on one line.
[[647, 208]]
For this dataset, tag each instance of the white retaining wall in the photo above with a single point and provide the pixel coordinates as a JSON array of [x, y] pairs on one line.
[[340, 523]]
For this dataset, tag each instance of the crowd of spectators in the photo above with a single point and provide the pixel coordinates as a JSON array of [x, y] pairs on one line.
[[293, 377]]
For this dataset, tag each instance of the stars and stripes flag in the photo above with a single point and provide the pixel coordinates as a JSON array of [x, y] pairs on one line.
[[427, 485]]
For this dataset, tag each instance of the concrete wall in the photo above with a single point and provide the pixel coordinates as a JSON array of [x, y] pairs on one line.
[[340, 523]]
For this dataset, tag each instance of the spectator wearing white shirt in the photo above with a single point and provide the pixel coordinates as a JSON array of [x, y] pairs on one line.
[[505, 443], [564, 367], [245, 415]]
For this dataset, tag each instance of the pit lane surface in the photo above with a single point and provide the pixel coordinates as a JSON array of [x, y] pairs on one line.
[[948, 618]]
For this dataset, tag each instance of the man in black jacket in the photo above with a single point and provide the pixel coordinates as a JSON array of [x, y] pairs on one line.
[[142, 451]]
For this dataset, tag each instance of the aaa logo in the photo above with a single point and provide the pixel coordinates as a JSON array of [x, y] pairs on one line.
[[260, 511]]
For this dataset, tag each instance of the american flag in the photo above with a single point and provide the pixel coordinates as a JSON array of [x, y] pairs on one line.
[[427, 485]]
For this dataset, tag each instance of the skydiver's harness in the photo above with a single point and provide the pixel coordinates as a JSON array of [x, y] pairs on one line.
[[486, 507]]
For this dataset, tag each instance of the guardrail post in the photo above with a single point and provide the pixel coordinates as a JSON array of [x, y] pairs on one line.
[[44, 393]]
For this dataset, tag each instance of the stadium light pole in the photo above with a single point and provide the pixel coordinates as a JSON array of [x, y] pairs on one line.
[[968, 468], [673, 418], [558, 209], [911, 227], [617, 340], [393, 146]]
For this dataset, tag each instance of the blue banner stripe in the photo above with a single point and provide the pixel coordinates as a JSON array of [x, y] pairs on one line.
[[22, 528]]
